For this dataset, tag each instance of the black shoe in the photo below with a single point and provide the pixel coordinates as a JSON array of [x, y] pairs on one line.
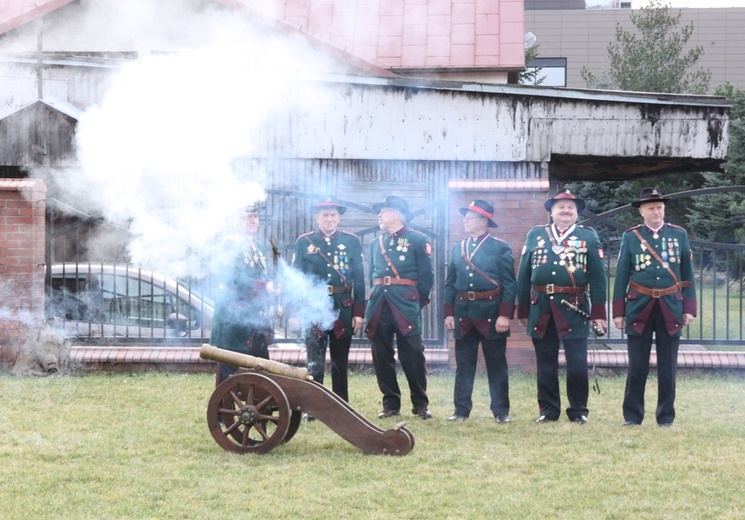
[[422, 412], [457, 418], [543, 419], [665, 425], [582, 419], [631, 423], [502, 419], [388, 413]]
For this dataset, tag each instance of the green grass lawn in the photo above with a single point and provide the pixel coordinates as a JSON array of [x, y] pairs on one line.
[[137, 446]]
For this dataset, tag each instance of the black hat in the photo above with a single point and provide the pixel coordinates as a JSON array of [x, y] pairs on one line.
[[328, 203], [564, 195], [649, 195], [256, 207], [393, 202], [483, 208]]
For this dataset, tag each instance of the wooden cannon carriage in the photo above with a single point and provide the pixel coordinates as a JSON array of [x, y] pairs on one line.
[[262, 404]]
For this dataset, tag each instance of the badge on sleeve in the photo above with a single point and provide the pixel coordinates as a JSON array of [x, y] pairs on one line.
[[600, 253], [428, 249]]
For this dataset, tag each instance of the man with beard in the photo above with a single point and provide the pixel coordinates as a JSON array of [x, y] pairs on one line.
[[401, 277], [561, 261]]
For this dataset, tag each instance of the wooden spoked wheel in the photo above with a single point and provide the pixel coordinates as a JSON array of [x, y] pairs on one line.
[[248, 413]]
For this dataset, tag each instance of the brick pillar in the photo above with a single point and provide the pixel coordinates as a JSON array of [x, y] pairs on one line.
[[518, 207], [22, 242]]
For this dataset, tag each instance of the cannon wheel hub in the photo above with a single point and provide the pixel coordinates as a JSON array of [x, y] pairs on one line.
[[249, 413]]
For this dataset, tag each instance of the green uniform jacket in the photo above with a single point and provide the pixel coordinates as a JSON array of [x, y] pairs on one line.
[[242, 302], [492, 257], [636, 264], [410, 254], [541, 265], [337, 261]]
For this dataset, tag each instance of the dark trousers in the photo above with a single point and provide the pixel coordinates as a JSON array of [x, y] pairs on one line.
[[257, 347], [547, 361], [667, 370], [339, 352], [411, 355], [466, 358]]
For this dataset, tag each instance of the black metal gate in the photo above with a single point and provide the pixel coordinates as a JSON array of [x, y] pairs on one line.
[[720, 281]]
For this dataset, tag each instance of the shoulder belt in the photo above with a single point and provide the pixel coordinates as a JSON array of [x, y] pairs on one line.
[[476, 270], [325, 258], [660, 260]]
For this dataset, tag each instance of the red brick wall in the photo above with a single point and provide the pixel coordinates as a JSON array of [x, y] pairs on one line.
[[518, 207], [22, 240]]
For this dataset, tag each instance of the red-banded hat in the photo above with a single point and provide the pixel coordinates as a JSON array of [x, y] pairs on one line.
[[649, 195], [483, 208], [328, 203], [564, 195]]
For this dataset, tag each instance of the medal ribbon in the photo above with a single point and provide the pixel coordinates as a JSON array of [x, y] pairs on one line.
[[325, 259], [657, 257]]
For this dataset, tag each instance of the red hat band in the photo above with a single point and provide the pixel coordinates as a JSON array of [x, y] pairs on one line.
[[480, 211]]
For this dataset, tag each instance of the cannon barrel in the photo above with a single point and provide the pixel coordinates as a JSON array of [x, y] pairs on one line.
[[245, 361]]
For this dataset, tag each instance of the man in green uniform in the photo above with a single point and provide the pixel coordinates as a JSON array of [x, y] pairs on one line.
[[243, 318], [479, 303], [653, 294], [562, 261], [335, 257], [401, 277]]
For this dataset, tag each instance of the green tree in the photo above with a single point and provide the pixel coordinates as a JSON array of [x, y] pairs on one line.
[[721, 217], [648, 59], [651, 58], [532, 76]]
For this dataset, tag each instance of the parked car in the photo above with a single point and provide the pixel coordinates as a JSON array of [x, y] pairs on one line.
[[111, 300]]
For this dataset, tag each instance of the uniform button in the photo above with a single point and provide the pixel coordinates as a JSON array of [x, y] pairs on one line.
[[470, 274], [553, 272], [409, 326], [570, 330], [489, 320], [550, 297]]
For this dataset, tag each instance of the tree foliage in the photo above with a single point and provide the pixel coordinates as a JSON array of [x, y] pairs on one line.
[[651, 58], [721, 217], [532, 76]]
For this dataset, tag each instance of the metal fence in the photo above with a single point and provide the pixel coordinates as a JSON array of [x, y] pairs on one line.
[[115, 302]]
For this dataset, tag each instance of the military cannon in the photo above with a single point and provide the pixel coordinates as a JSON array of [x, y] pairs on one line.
[[261, 406]]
